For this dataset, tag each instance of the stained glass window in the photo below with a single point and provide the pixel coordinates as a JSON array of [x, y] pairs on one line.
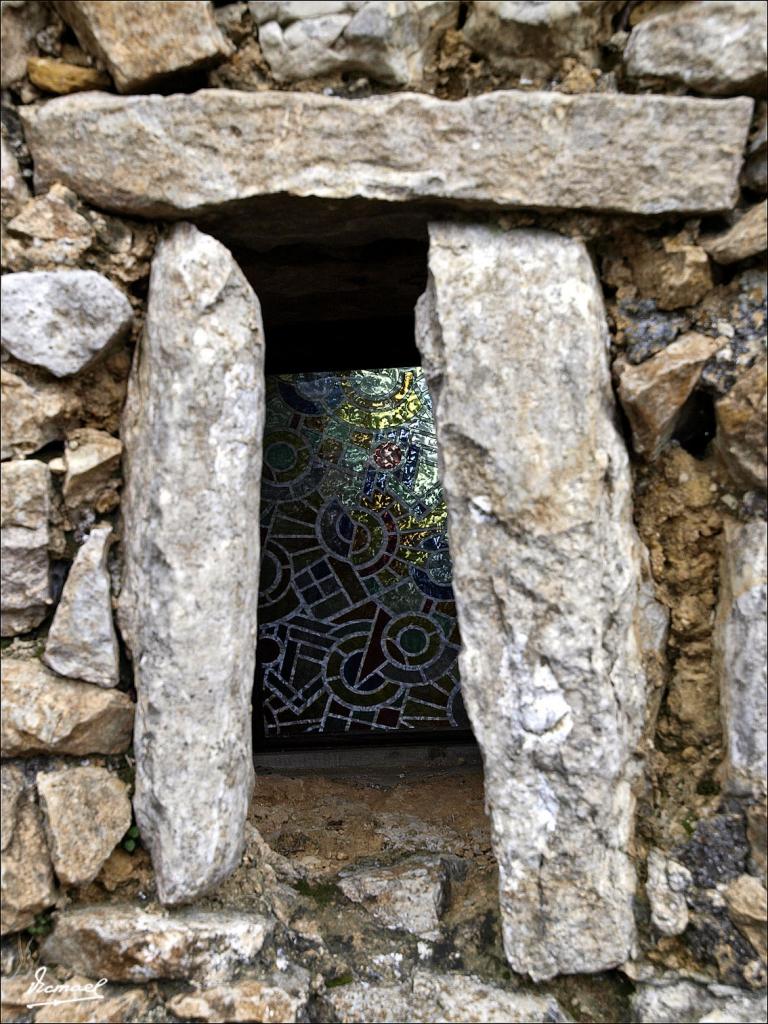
[[357, 622]]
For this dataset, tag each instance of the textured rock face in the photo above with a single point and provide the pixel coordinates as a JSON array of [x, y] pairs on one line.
[[653, 394], [87, 812], [389, 42], [141, 43], [125, 943], [20, 25], [14, 191], [742, 416], [683, 1002], [82, 642], [546, 570], [713, 47], [24, 510], [143, 155], [192, 433], [409, 895], [666, 887], [92, 461], [440, 997], [33, 414], [27, 879], [247, 1000], [532, 38], [740, 644], [746, 238], [43, 713], [62, 320]]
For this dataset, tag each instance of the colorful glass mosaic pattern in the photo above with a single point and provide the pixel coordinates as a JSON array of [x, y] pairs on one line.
[[357, 622]]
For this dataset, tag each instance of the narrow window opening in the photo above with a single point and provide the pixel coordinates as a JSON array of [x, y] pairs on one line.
[[358, 640]]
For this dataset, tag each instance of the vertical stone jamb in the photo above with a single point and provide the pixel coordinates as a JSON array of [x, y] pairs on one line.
[[193, 432], [546, 575]]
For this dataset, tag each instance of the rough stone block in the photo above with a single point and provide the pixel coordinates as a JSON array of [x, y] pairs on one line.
[[45, 714], [82, 642], [742, 418], [144, 42], [741, 650], [125, 943], [632, 154], [192, 435], [24, 534], [34, 413], [547, 573]]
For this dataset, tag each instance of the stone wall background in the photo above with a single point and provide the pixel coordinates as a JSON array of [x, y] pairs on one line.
[[686, 301]]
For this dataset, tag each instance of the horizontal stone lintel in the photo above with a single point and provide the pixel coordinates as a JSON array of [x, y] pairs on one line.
[[216, 150]]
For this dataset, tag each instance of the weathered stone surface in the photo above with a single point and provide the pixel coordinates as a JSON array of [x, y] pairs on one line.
[[683, 1002], [192, 433], [717, 48], [674, 273], [747, 237], [24, 509], [666, 887], [410, 895], [14, 191], [740, 646], [116, 1005], [757, 836], [742, 416], [246, 1000], [446, 998], [513, 339], [82, 642], [388, 42], [43, 713], [20, 25], [748, 906], [143, 155], [92, 460], [59, 77], [62, 320], [755, 172], [531, 39], [33, 414], [27, 880], [653, 394], [125, 943], [87, 812], [143, 42], [48, 231]]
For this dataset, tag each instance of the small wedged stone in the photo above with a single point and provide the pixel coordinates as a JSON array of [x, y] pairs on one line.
[[192, 435], [666, 886], [531, 39], [713, 47], [82, 642], [27, 884], [685, 1002], [61, 78], [92, 476], [654, 393], [45, 714], [48, 231], [742, 419], [503, 149], [747, 237], [547, 578], [87, 812], [62, 320], [14, 191], [125, 943], [24, 535], [410, 895], [748, 907], [116, 1006], [245, 1000], [145, 42], [740, 655], [674, 274], [444, 998], [34, 414], [391, 43]]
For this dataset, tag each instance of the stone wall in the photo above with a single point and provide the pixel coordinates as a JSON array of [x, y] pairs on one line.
[[592, 180]]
